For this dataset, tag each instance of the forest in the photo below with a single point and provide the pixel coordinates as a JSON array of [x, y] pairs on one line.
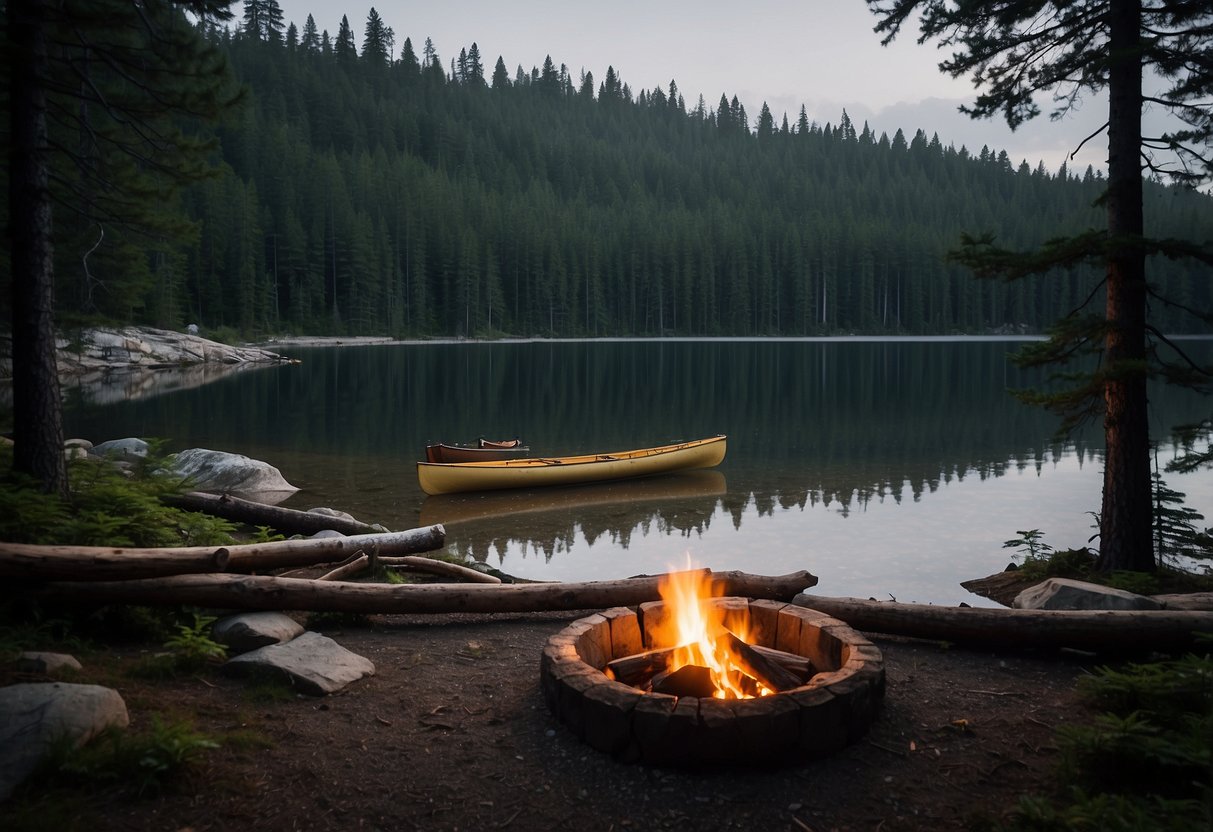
[[366, 186]]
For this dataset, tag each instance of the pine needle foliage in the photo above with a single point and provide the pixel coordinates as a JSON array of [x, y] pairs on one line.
[[103, 508]]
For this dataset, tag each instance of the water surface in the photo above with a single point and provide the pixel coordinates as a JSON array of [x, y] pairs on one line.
[[888, 468]]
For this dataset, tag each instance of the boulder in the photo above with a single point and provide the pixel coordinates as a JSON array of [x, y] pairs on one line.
[[33, 717], [314, 664], [128, 448], [1068, 594], [33, 661], [248, 631], [331, 512], [221, 472]]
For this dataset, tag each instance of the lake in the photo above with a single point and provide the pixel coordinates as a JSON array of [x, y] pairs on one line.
[[889, 468]]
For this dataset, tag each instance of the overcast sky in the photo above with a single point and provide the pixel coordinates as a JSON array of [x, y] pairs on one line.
[[819, 53]]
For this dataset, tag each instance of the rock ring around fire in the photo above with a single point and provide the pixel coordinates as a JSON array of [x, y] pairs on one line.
[[834, 708]]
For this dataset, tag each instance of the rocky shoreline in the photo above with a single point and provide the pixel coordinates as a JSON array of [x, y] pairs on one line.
[[107, 364]]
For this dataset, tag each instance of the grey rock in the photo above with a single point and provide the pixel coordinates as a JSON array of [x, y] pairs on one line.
[[327, 533], [315, 664], [330, 512], [78, 443], [33, 717], [33, 661], [248, 631], [220, 471], [122, 448], [1068, 594]]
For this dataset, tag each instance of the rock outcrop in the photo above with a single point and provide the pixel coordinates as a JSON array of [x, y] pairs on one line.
[[225, 473]]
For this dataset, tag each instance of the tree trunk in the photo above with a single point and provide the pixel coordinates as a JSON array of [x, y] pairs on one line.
[[97, 563], [1125, 517], [1106, 631], [267, 593], [285, 520], [37, 409], [22, 560]]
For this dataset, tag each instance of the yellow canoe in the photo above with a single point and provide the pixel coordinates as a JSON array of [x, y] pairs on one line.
[[449, 478]]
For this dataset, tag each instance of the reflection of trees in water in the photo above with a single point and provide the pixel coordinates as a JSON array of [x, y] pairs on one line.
[[550, 535], [840, 424]]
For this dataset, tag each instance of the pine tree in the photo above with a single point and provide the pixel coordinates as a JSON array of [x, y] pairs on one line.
[[114, 142], [345, 50], [311, 38], [374, 41], [1030, 47], [475, 67], [501, 77]]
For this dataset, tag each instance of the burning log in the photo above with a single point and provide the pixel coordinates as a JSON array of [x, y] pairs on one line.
[[799, 666], [688, 680], [639, 669], [752, 663]]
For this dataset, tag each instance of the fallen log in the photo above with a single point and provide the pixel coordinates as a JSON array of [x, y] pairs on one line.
[[441, 567], [248, 592], [285, 520], [98, 563], [345, 570], [1104, 631], [102, 563]]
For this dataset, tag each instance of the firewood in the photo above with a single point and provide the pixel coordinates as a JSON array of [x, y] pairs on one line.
[[285, 520], [636, 670], [104, 563], [1106, 631], [441, 567], [753, 663], [344, 571], [688, 680], [801, 666], [268, 593]]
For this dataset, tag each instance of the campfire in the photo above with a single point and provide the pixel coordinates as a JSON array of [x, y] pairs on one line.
[[696, 678], [704, 650]]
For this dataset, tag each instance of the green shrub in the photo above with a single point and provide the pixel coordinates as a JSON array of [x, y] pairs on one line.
[[1146, 763]]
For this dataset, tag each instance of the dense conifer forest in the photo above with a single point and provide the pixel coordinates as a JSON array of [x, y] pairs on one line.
[[373, 185]]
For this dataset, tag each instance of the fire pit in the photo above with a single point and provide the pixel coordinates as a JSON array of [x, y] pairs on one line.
[[811, 683]]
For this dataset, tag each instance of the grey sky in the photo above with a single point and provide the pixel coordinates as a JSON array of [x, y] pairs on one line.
[[819, 53]]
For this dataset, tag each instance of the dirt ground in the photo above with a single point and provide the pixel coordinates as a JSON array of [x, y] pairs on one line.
[[452, 733]]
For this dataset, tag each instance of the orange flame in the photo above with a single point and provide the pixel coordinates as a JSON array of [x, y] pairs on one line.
[[694, 627]]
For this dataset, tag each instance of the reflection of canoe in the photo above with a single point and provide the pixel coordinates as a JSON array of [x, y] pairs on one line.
[[447, 509], [483, 451], [436, 478]]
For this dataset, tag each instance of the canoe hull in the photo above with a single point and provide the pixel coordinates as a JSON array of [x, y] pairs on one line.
[[549, 471], [464, 453]]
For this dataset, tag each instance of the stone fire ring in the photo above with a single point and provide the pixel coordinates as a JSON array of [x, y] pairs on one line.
[[833, 709]]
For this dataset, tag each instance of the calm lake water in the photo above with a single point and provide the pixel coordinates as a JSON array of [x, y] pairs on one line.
[[888, 468]]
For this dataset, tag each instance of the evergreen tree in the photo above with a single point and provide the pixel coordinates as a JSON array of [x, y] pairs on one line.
[[1017, 49], [310, 40], [766, 124], [345, 50], [501, 77], [374, 41], [97, 109], [475, 67]]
